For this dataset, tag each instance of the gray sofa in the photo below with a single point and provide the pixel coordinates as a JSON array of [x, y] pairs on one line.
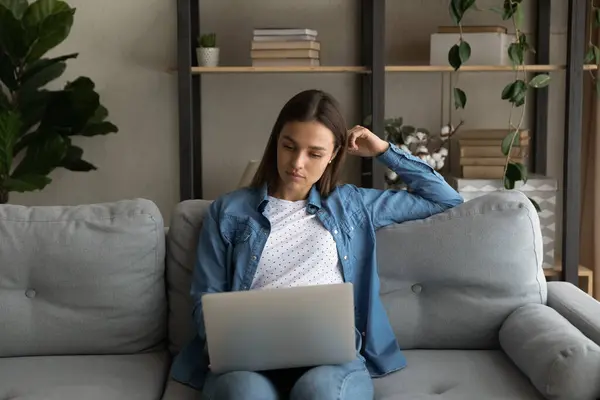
[[94, 304]]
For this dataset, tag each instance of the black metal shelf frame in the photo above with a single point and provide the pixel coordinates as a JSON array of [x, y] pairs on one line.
[[372, 102]]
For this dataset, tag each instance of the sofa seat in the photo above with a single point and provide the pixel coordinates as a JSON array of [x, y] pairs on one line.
[[114, 377], [456, 375]]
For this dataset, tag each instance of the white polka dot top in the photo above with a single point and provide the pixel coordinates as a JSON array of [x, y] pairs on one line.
[[299, 250]]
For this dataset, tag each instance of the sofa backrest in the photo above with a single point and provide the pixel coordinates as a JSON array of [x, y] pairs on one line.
[[450, 281], [182, 243], [82, 279]]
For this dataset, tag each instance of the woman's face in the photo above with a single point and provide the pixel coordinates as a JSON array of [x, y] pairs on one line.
[[304, 150]]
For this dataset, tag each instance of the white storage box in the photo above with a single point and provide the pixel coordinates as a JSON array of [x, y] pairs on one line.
[[487, 48], [540, 188]]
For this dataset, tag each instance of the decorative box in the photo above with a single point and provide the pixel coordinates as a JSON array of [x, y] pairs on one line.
[[488, 48], [540, 188]]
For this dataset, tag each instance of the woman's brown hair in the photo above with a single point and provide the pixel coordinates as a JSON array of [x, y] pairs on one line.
[[306, 106]]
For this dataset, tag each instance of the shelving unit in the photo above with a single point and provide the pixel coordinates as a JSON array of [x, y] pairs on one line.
[[372, 73]]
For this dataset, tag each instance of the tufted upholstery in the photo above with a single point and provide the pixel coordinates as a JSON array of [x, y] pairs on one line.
[[81, 280], [450, 281], [85, 295]]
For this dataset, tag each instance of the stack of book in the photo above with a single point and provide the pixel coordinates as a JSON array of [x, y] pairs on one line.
[[477, 154], [280, 47]]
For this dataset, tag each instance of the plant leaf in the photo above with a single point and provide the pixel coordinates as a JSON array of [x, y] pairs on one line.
[[101, 128], [7, 70], [27, 183], [49, 33], [74, 162], [597, 16], [455, 12], [508, 90], [516, 172], [596, 50], [460, 98], [464, 51], [43, 77], [12, 35], [9, 130], [40, 10], [535, 204], [454, 57], [37, 66], [4, 101], [540, 81], [589, 56], [43, 155], [69, 110], [508, 142], [516, 53], [17, 7], [519, 16]]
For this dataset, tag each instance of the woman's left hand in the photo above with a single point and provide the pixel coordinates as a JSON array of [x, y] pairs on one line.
[[364, 143]]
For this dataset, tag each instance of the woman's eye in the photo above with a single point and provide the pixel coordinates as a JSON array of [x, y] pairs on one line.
[[316, 155]]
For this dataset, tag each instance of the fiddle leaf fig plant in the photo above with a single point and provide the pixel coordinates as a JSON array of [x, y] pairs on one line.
[[37, 124]]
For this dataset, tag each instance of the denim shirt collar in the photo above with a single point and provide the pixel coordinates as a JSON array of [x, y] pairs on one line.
[[314, 199]]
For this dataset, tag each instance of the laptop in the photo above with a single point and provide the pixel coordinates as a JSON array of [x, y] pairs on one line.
[[261, 330]]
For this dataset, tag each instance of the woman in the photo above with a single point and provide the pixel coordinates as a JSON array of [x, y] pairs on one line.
[[295, 225]]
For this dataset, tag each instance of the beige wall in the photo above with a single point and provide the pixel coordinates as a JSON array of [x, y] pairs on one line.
[[126, 46]]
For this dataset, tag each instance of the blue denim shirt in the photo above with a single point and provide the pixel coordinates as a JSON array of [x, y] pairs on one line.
[[235, 232]]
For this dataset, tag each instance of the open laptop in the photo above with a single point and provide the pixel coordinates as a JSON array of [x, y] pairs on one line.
[[280, 328]]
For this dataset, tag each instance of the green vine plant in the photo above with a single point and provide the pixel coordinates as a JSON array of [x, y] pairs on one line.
[[593, 52], [514, 92]]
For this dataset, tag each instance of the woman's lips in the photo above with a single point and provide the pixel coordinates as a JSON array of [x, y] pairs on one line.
[[295, 176]]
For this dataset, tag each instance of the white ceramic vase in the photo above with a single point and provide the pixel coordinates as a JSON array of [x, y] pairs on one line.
[[208, 56]]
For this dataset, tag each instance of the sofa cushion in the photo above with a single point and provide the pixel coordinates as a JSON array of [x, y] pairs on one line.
[[561, 361], [449, 281], [182, 242], [119, 377], [81, 279], [456, 375]]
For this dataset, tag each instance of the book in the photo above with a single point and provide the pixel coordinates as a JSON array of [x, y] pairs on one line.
[[286, 44], [284, 32], [489, 134], [483, 172], [472, 29], [490, 151], [487, 161], [284, 53], [286, 62], [289, 38]]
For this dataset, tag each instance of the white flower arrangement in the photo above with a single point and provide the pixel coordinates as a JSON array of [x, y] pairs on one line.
[[420, 143]]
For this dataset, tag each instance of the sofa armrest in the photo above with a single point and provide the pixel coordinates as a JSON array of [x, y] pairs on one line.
[[559, 360], [581, 309]]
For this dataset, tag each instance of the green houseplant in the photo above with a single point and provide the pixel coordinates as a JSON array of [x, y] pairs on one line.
[[38, 125], [207, 51], [515, 92]]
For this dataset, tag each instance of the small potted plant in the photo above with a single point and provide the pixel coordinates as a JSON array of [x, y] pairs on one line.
[[207, 51]]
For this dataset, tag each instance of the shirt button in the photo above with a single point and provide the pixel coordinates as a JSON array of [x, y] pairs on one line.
[[364, 334], [30, 293], [345, 257], [335, 231], [253, 258]]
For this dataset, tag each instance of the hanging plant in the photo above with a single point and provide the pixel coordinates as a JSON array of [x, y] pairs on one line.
[[514, 92]]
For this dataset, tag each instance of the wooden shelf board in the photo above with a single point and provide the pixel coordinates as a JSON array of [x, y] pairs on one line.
[[479, 68], [389, 68], [355, 69]]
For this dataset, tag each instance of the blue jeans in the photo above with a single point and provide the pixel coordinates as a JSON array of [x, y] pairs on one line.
[[349, 381]]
